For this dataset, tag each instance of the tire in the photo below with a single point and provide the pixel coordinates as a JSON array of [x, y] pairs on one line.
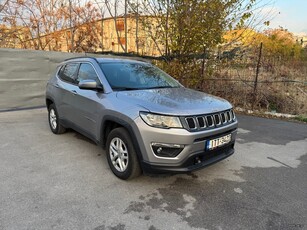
[[126, 166], [54, 121]]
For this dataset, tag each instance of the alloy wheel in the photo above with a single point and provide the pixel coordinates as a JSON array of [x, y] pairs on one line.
[[119, 154], [53, 119]]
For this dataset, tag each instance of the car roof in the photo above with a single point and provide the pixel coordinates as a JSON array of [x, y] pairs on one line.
[[114, 60], [109, 59]]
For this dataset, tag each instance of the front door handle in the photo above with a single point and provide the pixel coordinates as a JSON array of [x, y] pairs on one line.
[[74, 92]]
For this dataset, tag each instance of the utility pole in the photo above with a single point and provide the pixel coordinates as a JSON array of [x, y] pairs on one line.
[[126, 37], [166, 28], [258, 68], [257, 74], [137, 27], [102, 29], [71, 28]]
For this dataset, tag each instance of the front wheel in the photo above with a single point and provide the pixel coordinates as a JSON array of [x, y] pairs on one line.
[[121, 155]]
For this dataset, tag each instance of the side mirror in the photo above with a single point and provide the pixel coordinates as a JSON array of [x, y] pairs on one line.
[[89, 84]]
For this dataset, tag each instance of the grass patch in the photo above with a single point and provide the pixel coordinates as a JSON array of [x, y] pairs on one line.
[[302, 118]]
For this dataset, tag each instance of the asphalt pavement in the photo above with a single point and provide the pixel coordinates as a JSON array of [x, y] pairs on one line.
[[63, 181]]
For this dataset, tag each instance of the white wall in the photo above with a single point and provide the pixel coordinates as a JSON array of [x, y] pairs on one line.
[[24, 74]]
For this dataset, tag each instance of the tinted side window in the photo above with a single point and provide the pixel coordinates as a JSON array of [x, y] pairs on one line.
[[68, 72], [87, 72]]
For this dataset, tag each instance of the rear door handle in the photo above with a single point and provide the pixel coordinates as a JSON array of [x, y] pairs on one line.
[[74, 92]]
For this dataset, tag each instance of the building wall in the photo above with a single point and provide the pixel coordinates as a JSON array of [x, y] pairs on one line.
[[99, 36], [302, 40]]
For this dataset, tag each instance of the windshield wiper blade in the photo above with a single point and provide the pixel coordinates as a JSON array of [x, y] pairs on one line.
[[124, 88], [154, 87], [162, 87]]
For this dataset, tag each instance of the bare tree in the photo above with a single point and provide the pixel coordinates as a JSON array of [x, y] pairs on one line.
[[85, 27], [189, 26], [43, 23], [113, 11], [3, 3], [102, 7], [34, 19]]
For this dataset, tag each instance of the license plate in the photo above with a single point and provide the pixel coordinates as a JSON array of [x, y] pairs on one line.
[[212, 144]]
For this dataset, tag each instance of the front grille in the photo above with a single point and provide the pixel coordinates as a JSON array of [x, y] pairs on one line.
[[207, 121]]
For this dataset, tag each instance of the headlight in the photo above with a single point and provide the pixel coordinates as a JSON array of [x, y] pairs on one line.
[[160, 121]]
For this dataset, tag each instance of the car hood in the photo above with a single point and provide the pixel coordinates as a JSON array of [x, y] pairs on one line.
[[174, 101]]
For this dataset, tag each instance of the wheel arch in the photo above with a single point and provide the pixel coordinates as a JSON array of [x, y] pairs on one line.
[[49, 101], [109, 123]]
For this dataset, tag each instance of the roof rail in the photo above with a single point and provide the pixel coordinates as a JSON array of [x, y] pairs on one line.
[[81, 57], [130, 56]]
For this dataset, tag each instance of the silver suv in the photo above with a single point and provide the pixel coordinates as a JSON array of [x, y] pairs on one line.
[[144, 118]]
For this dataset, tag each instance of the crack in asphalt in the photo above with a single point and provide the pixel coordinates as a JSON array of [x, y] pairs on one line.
[[271, 158]]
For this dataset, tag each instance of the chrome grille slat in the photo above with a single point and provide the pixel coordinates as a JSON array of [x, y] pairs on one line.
[[228, 116], [208, 121], [233, 115]]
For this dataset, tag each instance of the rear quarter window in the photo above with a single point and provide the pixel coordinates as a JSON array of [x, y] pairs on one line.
[[68, 72]]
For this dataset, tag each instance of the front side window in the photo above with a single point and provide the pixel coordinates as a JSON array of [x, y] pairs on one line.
[[87, 72], [68, 72], [130, 76]]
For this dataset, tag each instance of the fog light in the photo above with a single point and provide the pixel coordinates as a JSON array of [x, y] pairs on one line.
[[166, 150], [197, 160], [159, 150]]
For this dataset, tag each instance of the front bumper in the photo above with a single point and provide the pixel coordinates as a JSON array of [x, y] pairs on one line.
[[194, 154], [193, 162]]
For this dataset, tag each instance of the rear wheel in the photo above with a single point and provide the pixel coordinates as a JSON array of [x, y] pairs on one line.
[[121, 155], [54, 121]]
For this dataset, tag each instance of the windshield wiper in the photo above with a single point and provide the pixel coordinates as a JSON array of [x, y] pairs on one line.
[[141, 88], [162, 87], [123, 88]]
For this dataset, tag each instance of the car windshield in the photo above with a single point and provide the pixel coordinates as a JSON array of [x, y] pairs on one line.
[[134, 76]]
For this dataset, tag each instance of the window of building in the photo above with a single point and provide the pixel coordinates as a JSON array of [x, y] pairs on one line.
[[120, 25], [122, 40]]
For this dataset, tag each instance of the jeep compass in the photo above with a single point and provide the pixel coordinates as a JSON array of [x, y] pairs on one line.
[[145, 119]]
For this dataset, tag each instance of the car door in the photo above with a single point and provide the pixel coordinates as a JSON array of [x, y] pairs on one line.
[[65, 90], [86, 102]]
